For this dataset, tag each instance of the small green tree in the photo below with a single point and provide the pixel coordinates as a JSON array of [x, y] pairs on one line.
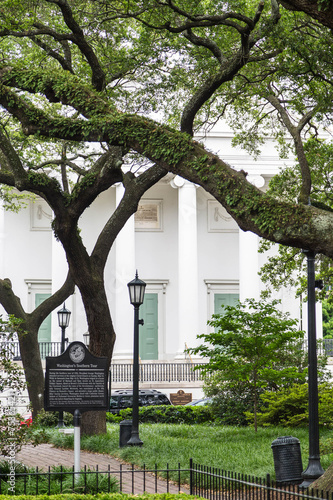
[[255, 344]]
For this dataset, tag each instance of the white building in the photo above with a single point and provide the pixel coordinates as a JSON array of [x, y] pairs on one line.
[[183, 243]]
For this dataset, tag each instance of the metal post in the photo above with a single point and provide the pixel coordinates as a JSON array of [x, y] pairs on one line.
[[135, 439], [77, 466], [314, 468], [63, 329], [62, 348]]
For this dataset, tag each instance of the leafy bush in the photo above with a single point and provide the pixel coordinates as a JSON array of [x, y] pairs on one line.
[[50, 419], [289, 406], [167, 414], [229, 406]]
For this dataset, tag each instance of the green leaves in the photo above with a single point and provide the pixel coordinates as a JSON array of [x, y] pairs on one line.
[[254, 343], [290, 406]]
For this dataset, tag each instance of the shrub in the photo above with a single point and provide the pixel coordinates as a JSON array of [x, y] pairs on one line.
[[167, 414], [229, 406], [50, 419], [289, 406]]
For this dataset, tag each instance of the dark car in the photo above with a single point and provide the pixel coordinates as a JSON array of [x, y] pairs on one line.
[[123, 398]]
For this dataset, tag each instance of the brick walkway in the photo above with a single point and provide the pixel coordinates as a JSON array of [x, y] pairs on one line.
[[45, 455]]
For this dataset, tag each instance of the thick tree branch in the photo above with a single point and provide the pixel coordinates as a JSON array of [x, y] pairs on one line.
[[55, 300], [229, 67], [40, 30], [295, 132], [98, 75], [65, 62], [289, 224], [69, 91], [202, 20], [207, 43], [12, 161], [321, 11], [10, 302]]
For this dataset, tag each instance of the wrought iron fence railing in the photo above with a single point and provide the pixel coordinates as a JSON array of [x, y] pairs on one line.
[[45, 348], [207, 482], [156, 372], [149, 372], [123, 372]]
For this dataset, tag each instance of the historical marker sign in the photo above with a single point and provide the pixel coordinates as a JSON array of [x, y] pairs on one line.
[[181, 398], [76, 380]]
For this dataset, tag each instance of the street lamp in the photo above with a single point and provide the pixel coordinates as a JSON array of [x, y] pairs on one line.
[[63, 321], [136, 290], [314, 469]]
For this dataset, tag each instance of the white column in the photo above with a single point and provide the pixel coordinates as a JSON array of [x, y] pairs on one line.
[[249, 282], [2, 247], [187, 264], [2, 241], [125, 272]]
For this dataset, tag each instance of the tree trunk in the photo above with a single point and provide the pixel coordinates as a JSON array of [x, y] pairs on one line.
[[255, 405], [101, 341], [93, 422], [33, 369]]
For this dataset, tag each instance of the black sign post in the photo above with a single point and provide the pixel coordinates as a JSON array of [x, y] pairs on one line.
[[76, 381]]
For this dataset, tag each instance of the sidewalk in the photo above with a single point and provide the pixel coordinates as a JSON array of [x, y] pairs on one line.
[[45, 455]]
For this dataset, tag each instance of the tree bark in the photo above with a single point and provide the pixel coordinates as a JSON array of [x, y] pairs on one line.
[[33, 368], [321, 11], [28, 336]]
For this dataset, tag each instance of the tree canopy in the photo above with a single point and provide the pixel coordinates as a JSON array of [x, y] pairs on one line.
[[87, 71], [81, 82]]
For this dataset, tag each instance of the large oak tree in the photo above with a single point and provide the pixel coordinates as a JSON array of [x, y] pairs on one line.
[[88, 72]]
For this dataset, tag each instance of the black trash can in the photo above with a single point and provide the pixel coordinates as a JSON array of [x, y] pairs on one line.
[[287, 460], [125, 429]]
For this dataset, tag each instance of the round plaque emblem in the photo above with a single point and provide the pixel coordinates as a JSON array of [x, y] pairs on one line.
[[76, 353]]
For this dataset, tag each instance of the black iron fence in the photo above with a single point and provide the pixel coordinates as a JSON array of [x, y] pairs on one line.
[[217, 484], [198, 480]]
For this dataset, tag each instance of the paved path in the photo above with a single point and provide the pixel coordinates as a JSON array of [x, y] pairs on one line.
[[45, 455]]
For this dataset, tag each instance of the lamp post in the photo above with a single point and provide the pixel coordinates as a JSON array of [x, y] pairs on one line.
[[314, 469], [63, 321], [136, 289]]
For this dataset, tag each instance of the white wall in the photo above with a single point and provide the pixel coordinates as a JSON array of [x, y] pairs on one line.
[[29, 251]]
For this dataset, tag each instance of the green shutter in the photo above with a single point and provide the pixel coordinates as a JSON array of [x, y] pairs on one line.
[[148, 333], [44, 332]]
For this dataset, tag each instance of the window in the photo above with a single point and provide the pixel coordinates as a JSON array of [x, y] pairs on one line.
[[220, 293]]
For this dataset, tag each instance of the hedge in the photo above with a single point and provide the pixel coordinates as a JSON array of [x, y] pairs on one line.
[[167, 415]]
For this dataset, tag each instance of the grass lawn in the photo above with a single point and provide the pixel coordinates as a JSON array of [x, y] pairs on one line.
[[237, 449]]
